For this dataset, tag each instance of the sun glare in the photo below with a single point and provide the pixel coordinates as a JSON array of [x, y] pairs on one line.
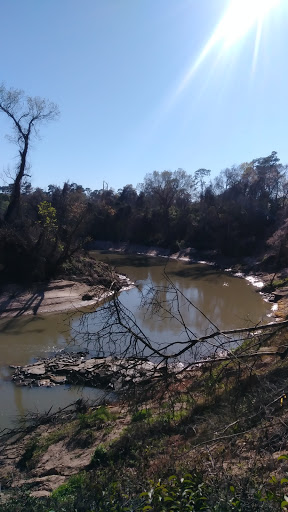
[[239, 19]]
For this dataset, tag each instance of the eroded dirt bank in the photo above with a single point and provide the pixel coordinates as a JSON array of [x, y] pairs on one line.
[[182, 428], [60, 446]]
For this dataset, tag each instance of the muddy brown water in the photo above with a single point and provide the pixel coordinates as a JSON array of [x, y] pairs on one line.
[[228, 301]]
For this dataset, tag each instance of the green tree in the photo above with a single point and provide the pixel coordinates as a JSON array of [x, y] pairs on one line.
[[165, 187], [47, 214]]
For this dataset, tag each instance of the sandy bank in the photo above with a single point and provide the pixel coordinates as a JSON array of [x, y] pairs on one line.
[[53, 297]]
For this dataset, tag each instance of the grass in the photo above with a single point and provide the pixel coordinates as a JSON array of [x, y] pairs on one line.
[[222, 426], [276, 283], [141, 415], [97, 417]]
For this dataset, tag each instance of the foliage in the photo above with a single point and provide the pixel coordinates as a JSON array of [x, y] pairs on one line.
[[186, 494], [95, 417], [100, 457], [83, 493], [74, 484], [141, 415], [47, 214], [88, 492], [237, 214]]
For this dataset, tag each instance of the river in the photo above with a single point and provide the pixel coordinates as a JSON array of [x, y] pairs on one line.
[[228, 301]]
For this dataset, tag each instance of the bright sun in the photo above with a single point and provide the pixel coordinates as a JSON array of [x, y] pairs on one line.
[[239, 18]]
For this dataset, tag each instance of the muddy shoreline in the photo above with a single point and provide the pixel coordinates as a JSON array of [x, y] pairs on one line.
[[249, 268], [62, 295], [57, 296], [65, 456]]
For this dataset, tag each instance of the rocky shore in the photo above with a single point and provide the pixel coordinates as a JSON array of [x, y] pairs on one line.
[[107, 372]]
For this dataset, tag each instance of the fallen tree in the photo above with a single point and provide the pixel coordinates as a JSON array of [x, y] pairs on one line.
[[118, 335]]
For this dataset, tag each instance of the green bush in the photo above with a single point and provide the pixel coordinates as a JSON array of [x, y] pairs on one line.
[[97, 417], [177, 494], [100, 457], [103, 492], [84, 493], [141, 415], [75, 484]]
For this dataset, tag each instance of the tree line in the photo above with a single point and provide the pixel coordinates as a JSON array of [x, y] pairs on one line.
[[241, 212]]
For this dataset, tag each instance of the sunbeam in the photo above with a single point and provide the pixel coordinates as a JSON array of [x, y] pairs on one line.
[[240, 17]]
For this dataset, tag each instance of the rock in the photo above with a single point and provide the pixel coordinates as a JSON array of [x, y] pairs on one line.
[[40, 494], [75, 369], [45, 383], [35, 370], [22, 381], [58, 379]]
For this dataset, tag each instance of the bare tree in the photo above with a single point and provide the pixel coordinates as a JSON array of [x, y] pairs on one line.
[[26, 114]]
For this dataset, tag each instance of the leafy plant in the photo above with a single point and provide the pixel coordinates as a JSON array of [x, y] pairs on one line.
[[275, 493], [100, 457], [141, 415], [93, 418], [178, 494], [74, 484], [48, 215]]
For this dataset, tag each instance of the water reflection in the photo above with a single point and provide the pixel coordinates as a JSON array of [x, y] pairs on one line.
[[229, 302]]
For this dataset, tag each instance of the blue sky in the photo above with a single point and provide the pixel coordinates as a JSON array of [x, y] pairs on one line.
[[146, 85]]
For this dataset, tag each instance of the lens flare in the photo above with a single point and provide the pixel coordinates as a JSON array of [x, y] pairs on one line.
[[240, 17]]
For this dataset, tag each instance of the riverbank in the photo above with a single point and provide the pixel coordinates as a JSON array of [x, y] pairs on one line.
[[272, 285], [189, 255], [227, 422], [89, 289], [225, 418], [83, 289], [55, 296]]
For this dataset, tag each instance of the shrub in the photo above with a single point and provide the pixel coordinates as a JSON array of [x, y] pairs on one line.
[[97, 417], [100, 457], [178, 494], [141, 415]]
